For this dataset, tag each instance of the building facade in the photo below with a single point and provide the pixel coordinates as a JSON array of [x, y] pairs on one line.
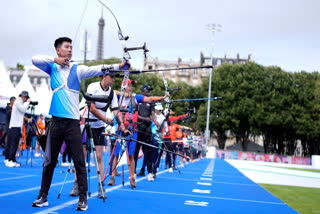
[[35, 76], [191, 76]]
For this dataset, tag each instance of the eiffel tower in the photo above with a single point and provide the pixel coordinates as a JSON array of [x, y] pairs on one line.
[[100, 38]]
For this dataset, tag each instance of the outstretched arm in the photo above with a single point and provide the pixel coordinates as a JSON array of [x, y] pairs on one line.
[[154, 99], [175, 118]]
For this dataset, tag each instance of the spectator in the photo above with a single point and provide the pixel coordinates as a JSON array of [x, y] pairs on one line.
[[15, 127]]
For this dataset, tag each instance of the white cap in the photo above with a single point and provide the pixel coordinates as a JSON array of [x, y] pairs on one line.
[[158, 107]]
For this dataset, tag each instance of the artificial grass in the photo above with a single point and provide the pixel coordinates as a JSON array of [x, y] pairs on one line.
[[304, 200]]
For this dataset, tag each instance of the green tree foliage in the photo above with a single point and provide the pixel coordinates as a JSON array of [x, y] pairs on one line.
[[282, 107], [20, 66]]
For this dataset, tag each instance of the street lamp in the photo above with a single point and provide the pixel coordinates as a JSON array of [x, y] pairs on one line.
[[212, 28]]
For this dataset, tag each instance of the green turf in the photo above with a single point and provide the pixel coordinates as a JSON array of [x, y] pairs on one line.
[[302, 199]]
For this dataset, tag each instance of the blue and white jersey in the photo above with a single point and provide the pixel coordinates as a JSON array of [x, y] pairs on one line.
[[65, 84]]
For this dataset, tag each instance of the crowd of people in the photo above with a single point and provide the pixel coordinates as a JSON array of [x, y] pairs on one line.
[[140, 118]]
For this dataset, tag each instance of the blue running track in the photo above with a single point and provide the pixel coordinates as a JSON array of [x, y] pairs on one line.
[[207, 186]]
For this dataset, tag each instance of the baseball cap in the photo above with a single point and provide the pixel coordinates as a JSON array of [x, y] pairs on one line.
[[24, 94], [158, 106], [146, 88], [110, 73], [127, 80]]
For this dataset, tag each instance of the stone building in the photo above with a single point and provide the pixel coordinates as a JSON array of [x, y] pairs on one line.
[[190, 76]]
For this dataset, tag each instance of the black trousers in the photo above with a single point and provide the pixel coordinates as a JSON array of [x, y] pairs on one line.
[[174, 156], [13, 138], [147, 150], [64, 155], [168, 146], [68, 130]]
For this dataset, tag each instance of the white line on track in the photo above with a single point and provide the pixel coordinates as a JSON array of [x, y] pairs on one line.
[[206, 179], [36, 188], [199, 196], [13, 178], [229, 176], [10, 173], [204, 184], [61, 206], [218, 182]]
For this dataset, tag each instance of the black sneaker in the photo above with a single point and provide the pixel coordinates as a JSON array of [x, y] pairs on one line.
[[140, 174], [100, 195], [83, 203], [117, 174], [174, 168], [75, 189], [41, 201]]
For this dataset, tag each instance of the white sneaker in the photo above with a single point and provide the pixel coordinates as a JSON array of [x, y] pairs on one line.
[[182, 165], [37, 155], [16, 164], [10, 164], [170, 170], [65, 164], [150, 177]]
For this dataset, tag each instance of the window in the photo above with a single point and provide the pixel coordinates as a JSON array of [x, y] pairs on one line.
[[14, 79], [150, 67], [195, 72]]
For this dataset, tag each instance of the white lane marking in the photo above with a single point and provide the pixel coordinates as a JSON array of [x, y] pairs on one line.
[[9, 173], [185, 179], [195, 203], [13, 178], [201, 191], [207, 179], [36, 188], [195, 173], [205, 175], [61, 206], [201, 196], [204, 184]]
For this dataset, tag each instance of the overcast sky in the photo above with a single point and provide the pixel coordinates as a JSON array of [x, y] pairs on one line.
[[275, 32]]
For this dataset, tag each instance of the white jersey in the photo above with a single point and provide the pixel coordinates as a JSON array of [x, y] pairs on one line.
[[159, 119], [96, 89]]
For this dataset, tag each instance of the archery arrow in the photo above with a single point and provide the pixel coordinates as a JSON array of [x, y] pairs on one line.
[[196, 99], [130, 139]]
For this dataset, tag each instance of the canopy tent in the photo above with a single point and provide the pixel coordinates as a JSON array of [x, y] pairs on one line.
[[25, 85], [44, 96], [7, 90]]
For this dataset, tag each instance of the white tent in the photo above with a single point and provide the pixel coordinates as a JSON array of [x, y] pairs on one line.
[[6, 88], [44, 96], [25, 85]]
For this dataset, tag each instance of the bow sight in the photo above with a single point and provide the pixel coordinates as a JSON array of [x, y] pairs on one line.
[[144, 48]]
